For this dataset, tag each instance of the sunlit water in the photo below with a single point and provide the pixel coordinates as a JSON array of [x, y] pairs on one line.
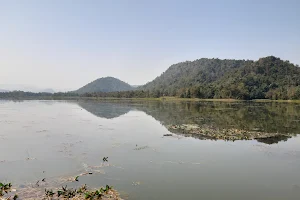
[[57, 139]]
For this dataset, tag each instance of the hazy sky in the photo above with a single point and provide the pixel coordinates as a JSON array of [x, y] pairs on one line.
[[65, 44]]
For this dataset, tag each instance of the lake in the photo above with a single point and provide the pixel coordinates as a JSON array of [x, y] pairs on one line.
[[58, 140]]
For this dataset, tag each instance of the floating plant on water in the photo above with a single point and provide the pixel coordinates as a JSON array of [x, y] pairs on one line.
[[67, 193], [74, 193], [62, 193], [98, 194], [49, 193], [105, 159], [92, 195], [141, 148], [82, 189], [6, 188]]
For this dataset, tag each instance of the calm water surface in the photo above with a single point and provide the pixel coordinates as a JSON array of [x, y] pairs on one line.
[[64, 139]]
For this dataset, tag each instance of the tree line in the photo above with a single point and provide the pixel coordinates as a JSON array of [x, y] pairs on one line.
[[267, 78]]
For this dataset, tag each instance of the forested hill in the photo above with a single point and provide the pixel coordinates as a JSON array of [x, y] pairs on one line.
[[189, 74], [107, 84], [268, 77]]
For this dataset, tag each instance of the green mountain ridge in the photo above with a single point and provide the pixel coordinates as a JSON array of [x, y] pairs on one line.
[[192, 74], [1, 90], [269, 77]]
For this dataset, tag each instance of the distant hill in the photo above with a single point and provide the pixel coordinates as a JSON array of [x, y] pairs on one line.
[[1, 90], [25, 88], [107, 84], [269, 77], [47, 90]]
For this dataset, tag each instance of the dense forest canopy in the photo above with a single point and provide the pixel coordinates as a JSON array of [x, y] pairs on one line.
[[32, 95], [192, 74], [267, 78]]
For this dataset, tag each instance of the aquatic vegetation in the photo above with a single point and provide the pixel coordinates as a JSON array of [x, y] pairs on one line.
[[82, 189], [105, 159], [67, 193], [34, 191], [80, 193], [15, 197], [229, 134], [91, 195], [98, 194], [141, 148], [136, 183], [49, 193], [6, 188]]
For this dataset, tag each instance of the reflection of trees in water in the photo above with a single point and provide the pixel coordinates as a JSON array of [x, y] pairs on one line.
[[265, 117], [273, 140], [249, 116], [105, 109]]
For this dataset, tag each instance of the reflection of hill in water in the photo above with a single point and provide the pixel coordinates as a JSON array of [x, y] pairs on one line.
[[265, 117], [105, 109], [273, 140], [249, 116]]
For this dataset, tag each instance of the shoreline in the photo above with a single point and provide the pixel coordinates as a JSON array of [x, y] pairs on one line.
[[167, 99]]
